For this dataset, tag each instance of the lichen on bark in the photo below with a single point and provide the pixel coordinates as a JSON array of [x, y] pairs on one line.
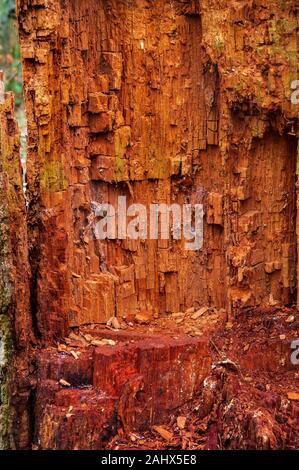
[[6, 347], [15, 324], [6, 357]]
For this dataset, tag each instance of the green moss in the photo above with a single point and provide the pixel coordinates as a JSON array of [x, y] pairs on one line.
[[119, 168], [219, 43], [158, 163], [283, 4], [52, 177], [122, 141], [278, 30], [285, 26]]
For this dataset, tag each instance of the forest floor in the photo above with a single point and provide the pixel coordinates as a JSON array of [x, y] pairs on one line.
[[248, 400]]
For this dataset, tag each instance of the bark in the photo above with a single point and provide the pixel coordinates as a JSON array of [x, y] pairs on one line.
[[15, 320]]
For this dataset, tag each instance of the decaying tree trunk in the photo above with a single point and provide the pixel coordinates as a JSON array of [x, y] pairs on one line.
[[165, 102], [184, 102]]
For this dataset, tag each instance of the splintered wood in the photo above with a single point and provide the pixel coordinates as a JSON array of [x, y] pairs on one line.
[[125, 100]]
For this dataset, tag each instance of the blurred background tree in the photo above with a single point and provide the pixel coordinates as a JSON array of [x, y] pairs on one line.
[[10, 61]]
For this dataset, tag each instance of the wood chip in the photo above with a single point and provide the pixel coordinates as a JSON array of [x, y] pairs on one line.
[[199, 313], [163, 432], [77, 276], [74, 344], [198, 333], [99, 342], [109, 342], [229, 364], [293, 396], [134, 437], [177, 315], [190, 310], [103, 342], [115, 323], [75, 354], [181, 422], [282, 337], [64, 383], [246, 347], [69, 412], [76, 339], [88, 338], [290, 319], [143, 318]]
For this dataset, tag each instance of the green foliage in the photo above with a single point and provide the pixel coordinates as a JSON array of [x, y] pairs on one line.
[[6, 8]]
